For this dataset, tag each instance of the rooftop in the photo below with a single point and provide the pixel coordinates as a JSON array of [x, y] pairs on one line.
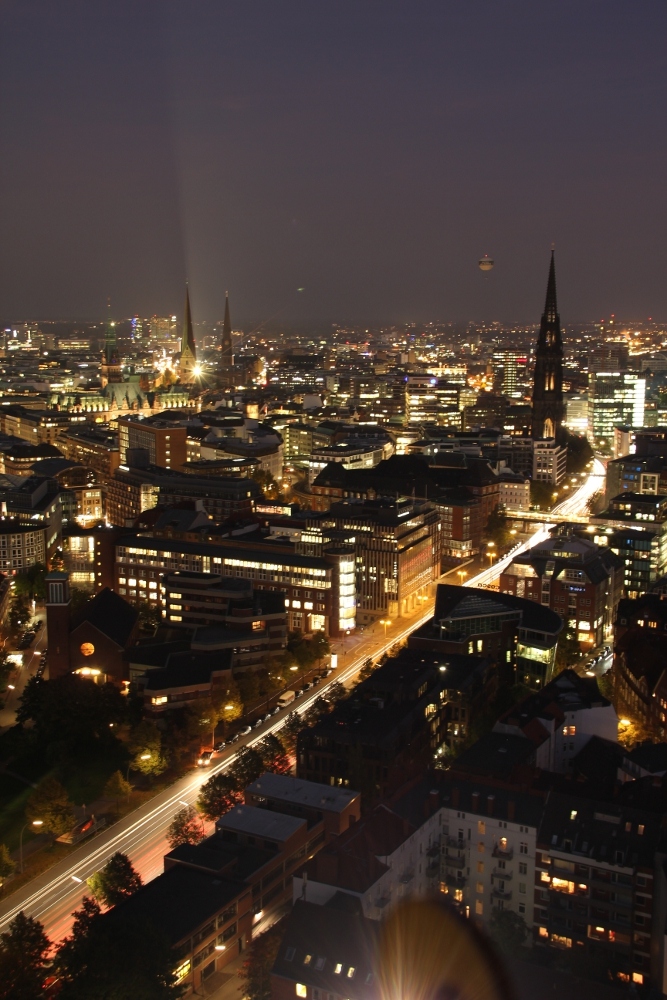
[[262, 823], [306, 793]]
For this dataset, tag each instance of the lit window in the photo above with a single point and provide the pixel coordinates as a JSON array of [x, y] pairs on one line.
[[301, 990], [479, 907], [350, 972], [481, 827], [479, 888], [308, 959], [338, 968], [573, 814]]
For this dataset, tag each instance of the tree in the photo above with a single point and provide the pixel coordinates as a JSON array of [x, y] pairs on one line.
[[218, 796], [229, 702], [117, 788], [71, 713], [7, 866], [78, 597], [19, 613], [116, 881], [146, 747], [579, 453], [366, 670], [568, 652], [497, 529], [337, 692], [508, 930], [269, 486], [30, 582], [541, 495], [247, 767], [273, 755], [150, 617], [185, 828], [50, 803], [115, 958], [24, 952], [261, 955], [287, 734]]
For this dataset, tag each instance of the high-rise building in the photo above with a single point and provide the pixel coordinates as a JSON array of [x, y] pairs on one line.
[[548, 380], [615, 398], [188, 359]]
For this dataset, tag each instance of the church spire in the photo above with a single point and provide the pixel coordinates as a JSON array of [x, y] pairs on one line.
[[111, 369], [226, 359], [188, 360], [547, 415]]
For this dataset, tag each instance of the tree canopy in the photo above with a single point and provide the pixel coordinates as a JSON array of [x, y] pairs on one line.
[[116, 881], [24, 949], [71, 712], [187, 827], [50, 804], [218, 795], [146, 747]]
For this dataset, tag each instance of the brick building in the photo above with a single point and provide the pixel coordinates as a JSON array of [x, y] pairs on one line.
[[580, 581], [640, 661]]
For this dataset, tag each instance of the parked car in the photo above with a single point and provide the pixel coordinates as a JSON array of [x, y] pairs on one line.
[[245, 731], [268, 716], [219, 747], [38, 624], [234, 739], [260, 722], [276, 710]]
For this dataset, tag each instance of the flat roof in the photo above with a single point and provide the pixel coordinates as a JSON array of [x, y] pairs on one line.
[[260, 823], [305, 793]]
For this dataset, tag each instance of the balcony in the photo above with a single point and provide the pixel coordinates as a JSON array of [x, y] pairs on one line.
[[499, 873], [454, 881], [406, 877], [433, 850], [455, 861], [456, 842], [433, 869], [501, 893], [507, 853]]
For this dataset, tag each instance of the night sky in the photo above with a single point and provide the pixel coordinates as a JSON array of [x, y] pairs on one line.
[[367, 151]]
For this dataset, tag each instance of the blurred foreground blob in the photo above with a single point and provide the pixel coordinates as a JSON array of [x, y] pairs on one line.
[[429, 952]]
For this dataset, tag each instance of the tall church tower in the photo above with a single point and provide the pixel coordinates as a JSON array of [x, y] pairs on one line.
[[111, 369], [547, 414], [188, 359], [226, 357]]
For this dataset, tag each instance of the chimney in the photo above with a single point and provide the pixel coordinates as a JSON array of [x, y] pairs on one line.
[[475, 802], [489, 804], [433, 801], [511, 810], [455, 797]]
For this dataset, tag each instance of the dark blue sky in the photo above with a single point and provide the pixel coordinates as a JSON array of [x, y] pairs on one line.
[[367, 150]]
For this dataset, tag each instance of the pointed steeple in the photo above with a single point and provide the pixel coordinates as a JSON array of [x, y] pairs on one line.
[[188, 358], [547, 415], [226, 357], [550, 315]]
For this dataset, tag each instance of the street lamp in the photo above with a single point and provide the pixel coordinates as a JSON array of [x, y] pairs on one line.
[[462, 574], [35, 822], [385, 622]]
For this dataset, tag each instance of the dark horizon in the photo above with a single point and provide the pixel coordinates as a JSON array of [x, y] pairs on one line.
[[367, 154]]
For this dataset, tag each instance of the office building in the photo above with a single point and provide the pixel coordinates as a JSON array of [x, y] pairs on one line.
[[614, 398], [163, 440], [549, 461]]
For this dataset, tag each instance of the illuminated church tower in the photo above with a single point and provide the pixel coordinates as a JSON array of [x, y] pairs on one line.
[[547, 415], [111, 369], [188, 359]]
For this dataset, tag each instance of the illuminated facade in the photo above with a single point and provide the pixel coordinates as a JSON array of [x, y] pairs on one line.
[[320, 593]]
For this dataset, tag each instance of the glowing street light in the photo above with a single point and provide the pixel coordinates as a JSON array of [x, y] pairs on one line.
[[385, 622], [462, 574]]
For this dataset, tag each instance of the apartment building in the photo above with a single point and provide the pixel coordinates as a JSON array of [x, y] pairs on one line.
[[489, 833], [600, 884], [549, 462], [21, 545], [640, 661], [382, 736]]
